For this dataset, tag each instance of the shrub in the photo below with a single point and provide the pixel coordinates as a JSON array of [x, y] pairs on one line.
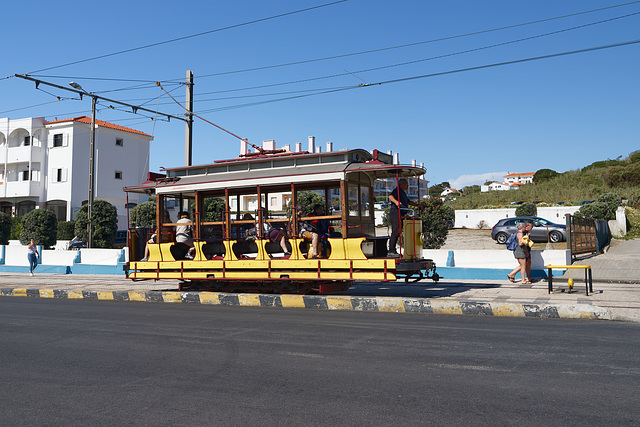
[[482, 225], [434, 223], [527, 209], [620, 176], [105, 223], [40, 225], [596, 210], [385, 216], [66, 230], [5, 228], [612, 200]]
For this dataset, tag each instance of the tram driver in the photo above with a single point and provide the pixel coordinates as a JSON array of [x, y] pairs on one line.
[[399, 207]]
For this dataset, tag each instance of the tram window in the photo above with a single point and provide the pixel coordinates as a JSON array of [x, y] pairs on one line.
[[335, 201], [365, 202], [354, 206]]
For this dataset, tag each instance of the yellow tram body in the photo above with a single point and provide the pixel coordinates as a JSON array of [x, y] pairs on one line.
[[226, 259]]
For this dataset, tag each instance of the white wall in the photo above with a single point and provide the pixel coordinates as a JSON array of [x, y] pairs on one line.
[[472, 217], [498, 258]]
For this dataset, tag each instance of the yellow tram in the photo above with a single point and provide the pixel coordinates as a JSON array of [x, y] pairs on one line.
[[259, 192]]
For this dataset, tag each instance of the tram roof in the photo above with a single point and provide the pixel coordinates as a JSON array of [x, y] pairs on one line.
[[273, 170]]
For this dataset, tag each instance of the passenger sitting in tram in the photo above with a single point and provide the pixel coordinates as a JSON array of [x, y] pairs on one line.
[[309, 233], [152, 239], [275, 234], [184, 234], [322, 226]]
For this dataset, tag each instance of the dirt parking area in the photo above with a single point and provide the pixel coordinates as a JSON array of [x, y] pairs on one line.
[[464, 238]]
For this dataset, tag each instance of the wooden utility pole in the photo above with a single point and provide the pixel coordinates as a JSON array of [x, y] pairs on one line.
[[188, 126]]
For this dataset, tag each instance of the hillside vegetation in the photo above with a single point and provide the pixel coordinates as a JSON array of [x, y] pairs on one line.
[[621, 177]]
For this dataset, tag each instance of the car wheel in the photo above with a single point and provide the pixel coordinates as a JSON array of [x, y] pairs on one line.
[[502, 238], [555, 237]]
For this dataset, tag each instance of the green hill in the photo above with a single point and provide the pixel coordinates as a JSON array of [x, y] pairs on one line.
[[610, 176]]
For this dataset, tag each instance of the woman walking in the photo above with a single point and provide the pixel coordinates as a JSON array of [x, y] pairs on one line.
[[32, 255], [522, 253]]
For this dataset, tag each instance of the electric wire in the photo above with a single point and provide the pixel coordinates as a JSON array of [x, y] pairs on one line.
[[167, 81], [480, 67], [190, 36], [424, 59], [419, 43]]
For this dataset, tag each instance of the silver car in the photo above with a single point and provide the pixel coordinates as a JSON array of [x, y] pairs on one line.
[[541, 229]]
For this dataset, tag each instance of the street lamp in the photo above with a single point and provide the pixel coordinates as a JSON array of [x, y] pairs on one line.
[[92, 144]]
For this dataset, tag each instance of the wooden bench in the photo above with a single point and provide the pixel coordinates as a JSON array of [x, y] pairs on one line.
[[587, 275]]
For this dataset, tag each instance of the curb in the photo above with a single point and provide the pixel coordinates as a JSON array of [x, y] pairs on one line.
[[335, 302]]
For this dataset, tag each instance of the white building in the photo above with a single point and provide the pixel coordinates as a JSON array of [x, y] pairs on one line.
[[45, 165], [498, 186], [519, 178]]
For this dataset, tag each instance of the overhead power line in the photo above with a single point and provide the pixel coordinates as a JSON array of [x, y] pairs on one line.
[[255, 21], [475, 33], [480, 67], [327, 57]]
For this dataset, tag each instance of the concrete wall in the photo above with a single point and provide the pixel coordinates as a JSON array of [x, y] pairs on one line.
[[494, 259], [471, 218]]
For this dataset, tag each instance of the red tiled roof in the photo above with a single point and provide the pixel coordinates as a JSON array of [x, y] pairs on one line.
[[521, 174], [85, 119]]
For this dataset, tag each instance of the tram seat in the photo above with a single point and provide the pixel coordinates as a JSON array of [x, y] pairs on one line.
[[154, 252], [243, 247], [179, 250], [213, 248]]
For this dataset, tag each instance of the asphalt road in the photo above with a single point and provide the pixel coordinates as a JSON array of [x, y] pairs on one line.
[[66, 362]]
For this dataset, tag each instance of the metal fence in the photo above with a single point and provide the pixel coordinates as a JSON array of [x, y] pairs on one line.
[[586, 235]]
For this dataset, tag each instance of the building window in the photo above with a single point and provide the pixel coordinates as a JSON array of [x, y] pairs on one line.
[[57, 140], [59, 175], [119, 142], [27, 141], [25, 175], [118, 175]]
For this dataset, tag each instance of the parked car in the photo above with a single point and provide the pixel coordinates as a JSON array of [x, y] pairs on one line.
[[507, 226]]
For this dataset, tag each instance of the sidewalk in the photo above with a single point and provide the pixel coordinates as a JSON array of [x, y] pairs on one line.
[[620, 264]]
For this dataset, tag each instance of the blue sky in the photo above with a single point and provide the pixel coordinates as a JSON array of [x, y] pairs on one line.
[[560, 113]]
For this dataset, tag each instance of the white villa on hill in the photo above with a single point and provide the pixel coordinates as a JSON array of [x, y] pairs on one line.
[[512, 181], [45, 165]]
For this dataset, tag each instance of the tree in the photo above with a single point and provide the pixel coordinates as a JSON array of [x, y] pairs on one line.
[[434, 223], [66, 230], [5, 228], [527, 209], [40, 225], [544, 175], [105, 223], [143, 215], [308, 199], [213, 209]]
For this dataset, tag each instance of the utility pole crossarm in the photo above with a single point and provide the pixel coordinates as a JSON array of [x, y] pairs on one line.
[[134, 108]]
